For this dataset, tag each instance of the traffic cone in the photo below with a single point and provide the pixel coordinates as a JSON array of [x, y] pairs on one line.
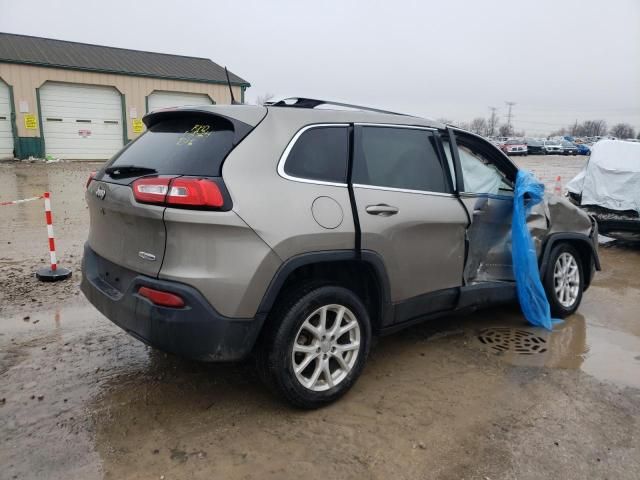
[[557, 189]]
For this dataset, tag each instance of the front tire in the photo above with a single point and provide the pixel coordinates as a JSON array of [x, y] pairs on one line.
[[564, 280], [316, 346]]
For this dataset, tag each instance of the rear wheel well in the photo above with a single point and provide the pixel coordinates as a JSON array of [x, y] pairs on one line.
[[355, 275]]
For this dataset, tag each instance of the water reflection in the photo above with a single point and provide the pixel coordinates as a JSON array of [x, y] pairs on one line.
[[565, 347], [604, 353]]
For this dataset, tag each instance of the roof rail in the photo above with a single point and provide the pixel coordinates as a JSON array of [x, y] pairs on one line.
[[298, 102]]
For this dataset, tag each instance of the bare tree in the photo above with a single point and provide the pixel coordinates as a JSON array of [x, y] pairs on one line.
[[622, 130], [505, 130], [561, 132], [478, 125], [574, 129], [594, 128], [262, 99]]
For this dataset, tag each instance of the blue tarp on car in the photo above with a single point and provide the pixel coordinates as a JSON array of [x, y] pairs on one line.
[[531, 294]]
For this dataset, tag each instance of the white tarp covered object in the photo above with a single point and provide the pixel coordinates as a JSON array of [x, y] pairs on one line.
[[611, 178]]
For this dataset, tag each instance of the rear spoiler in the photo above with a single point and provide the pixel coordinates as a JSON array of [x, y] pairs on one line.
[[240, 128]]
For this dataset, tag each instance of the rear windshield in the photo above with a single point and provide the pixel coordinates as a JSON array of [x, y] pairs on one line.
[[191, 145]]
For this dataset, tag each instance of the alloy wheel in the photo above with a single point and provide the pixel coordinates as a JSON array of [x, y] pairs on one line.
[[566, 279], [326, 347]]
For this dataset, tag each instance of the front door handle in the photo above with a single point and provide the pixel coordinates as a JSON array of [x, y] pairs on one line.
[[382, 209]]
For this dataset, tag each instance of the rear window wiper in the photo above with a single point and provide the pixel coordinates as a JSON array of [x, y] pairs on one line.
[[124, 170]]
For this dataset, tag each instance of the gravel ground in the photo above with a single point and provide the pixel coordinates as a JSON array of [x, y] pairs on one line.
[[81, 399]]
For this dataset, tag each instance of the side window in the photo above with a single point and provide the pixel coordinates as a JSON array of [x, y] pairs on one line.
[[479, 174], [320, 153], [398, 158]]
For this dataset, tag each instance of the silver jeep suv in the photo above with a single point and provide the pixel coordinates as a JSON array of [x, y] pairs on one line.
[[297, 233]]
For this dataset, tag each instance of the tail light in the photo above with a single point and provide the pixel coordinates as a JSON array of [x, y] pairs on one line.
[[92, 175], [196, 192], [162, 298], [181, 192]]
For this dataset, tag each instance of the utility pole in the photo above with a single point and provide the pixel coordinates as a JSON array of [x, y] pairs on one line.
[[509, 116], [493, 121]]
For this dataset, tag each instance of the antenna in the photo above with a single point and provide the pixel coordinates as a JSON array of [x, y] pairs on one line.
[[233, 99]]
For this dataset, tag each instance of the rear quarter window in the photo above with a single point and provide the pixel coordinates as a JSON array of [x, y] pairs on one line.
[[320, 153]]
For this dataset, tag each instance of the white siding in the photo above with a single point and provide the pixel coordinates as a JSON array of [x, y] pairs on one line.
[[6, 132], [81, 121], [176, 99]]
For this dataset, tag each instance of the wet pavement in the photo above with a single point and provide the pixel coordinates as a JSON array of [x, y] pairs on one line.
[[476, 397]]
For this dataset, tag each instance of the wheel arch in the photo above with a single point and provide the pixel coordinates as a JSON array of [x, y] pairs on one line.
[[363, 272], [582, 243]]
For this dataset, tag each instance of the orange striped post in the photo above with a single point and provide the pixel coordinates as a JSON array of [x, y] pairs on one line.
[[53, 272]]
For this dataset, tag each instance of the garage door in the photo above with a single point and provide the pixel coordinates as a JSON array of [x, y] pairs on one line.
[[81, 122], [6, 132], [176, 99]]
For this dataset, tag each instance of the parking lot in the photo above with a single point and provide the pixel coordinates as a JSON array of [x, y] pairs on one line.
[[79, 398]]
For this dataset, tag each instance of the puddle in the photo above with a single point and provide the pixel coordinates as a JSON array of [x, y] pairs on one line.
[[606, 354], [602, 338]]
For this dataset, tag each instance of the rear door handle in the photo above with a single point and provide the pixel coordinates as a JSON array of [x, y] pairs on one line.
[[382, 209]]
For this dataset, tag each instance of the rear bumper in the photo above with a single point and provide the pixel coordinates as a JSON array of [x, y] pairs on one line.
[[196, 331]]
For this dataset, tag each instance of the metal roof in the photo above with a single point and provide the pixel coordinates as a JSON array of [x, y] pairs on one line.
[[48, 52]]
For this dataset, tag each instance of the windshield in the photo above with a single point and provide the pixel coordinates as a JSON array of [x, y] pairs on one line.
[[514, 142]]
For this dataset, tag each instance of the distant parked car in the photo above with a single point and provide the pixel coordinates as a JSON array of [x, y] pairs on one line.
[[583, 149], [607, 188], [535, 146], [569, 148], [515, 147], [552, 147]]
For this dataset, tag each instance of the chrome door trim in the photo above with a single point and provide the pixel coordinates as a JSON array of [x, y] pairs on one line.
[[394, 125], [403, 190]]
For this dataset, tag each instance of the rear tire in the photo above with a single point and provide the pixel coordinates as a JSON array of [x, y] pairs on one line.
[[316, 345], [564, 280]]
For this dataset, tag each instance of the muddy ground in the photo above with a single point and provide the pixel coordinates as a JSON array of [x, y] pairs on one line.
[[81, 399]]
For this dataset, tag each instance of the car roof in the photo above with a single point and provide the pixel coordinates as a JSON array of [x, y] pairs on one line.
[[328, 115], [253, 114]]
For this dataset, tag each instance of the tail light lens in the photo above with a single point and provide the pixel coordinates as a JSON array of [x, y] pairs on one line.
[[92, 175], [181, 191], [159, 297], [151, 190], [196, 192]]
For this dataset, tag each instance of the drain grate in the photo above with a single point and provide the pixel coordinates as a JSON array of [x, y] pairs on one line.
[[504, 339]]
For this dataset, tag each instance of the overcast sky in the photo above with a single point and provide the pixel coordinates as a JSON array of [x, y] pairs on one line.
[[559, 60]]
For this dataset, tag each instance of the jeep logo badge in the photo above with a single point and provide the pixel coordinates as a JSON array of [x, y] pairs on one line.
[[100, 193]]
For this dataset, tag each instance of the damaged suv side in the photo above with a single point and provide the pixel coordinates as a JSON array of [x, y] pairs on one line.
[[297, 233]]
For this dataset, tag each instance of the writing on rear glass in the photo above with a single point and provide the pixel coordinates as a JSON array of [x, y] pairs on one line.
[[196, 133]]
